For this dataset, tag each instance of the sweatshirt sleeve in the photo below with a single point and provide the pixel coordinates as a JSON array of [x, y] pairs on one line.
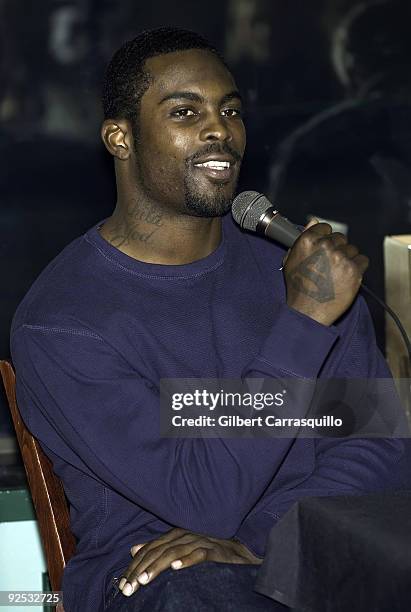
[[341, 467], [88, 405], [295, 347], [353, 467]]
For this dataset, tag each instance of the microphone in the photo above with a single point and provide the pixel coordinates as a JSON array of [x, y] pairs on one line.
[[254, 212]]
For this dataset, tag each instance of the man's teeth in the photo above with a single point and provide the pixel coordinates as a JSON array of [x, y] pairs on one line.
[[215, 165]]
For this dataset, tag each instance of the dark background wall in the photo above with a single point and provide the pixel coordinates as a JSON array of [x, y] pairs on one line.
[[307, 146]]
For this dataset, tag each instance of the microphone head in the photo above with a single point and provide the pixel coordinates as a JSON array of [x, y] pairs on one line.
[[248, 208]]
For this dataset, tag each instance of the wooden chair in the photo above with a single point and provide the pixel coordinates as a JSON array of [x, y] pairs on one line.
[[46, 489]]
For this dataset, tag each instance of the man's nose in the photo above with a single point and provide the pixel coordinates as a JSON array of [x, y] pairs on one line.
[[215, 128]]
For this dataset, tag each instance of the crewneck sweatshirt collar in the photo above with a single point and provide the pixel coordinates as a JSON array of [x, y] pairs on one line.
[[151, 270]]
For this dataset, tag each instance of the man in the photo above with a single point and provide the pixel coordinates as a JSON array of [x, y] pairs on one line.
[[166, 288]]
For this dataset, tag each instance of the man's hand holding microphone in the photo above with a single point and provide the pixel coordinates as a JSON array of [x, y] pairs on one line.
[[323, 272]]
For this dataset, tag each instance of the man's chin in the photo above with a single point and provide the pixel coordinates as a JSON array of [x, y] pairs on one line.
[[208, 208], [205, 204]]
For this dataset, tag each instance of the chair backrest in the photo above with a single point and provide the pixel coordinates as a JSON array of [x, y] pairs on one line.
[[46, 489]]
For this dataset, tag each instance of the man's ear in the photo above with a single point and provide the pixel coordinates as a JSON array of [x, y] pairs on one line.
[[116, 136]]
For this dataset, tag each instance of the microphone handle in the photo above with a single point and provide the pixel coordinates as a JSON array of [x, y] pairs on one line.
[[274, 226]]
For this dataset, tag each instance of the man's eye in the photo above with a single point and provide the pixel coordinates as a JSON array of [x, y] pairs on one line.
[[231, 112], [181, 113]]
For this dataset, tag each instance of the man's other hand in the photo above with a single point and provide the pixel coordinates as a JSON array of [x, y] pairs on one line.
[[323, 273], [178, 549]]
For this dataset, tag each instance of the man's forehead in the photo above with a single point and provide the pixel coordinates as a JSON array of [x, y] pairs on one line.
[[191, 68]]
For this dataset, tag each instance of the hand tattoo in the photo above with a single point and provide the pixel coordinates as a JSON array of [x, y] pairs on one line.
[[316, 269]]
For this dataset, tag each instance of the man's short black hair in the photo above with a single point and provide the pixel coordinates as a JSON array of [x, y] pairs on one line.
[[126, 79]]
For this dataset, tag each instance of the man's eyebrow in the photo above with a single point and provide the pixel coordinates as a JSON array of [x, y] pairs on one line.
[[233, 95], [182, 95], [190, 95]]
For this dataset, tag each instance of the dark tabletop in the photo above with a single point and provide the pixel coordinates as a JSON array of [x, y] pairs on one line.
[[341, 554]]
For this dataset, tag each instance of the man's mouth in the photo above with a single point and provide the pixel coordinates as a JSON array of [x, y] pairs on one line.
[[216, 169]]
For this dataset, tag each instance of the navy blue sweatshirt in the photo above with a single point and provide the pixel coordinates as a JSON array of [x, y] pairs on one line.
[[90, 343]]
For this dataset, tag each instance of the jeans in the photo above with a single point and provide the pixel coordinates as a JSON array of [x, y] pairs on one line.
[[206, 587]]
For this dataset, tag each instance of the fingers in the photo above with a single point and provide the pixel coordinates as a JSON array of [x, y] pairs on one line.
[[336, 239], [325, 237], [177, 549], [197, 556], [352, 255], [152, 565], [169, 536], [203, 553], [349, 250], [138, 554], [136, 548], [144, 554], [312, 221], [319, 229], [354, 260], [133, 551], [340, 245], [312, 233], [362, 263]]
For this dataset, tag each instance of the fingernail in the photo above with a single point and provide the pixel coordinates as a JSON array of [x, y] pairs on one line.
[[136, 548], [128, 589], [143, 578], [122, 583], [177, 564]]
